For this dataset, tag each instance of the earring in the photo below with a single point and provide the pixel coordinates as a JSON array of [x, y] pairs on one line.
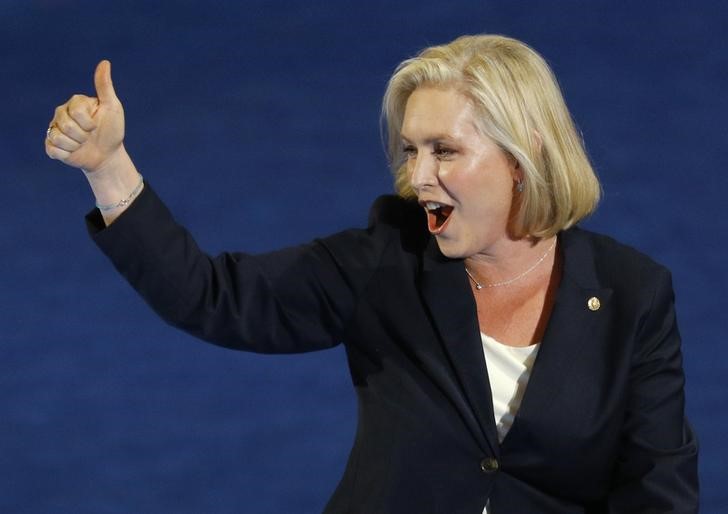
[[519, 186]]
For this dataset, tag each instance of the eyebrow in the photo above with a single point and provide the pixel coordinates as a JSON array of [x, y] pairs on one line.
[[430, 140]]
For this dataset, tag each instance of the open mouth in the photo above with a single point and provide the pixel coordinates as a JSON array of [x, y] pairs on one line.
[[438, 215]]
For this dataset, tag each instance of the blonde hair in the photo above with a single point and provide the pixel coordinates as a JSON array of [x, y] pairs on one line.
[[519, 105]]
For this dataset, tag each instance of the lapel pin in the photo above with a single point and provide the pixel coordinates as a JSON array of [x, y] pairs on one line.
[[593, 303]]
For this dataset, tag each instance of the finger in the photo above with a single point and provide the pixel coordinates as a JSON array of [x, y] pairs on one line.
[[64, 125], [54, 152], [102, 80], [81, 108], [58, 139]]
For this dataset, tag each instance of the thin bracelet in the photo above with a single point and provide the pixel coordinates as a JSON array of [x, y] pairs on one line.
[[126, 201]]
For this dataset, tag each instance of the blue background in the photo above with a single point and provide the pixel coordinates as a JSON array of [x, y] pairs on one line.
[[258, 123]]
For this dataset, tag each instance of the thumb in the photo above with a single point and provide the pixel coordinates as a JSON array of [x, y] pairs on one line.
[[102, 80]]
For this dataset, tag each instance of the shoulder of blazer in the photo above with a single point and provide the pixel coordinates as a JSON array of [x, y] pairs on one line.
[[597, 260]]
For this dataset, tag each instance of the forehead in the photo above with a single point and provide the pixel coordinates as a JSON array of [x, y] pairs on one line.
[[434, 112]]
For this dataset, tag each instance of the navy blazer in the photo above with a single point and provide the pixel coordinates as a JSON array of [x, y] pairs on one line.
[[601, 427]]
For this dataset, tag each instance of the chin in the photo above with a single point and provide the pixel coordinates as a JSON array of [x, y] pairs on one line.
[[450, 249]]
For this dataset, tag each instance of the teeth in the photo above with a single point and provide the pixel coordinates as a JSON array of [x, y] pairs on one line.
[[431, 206]]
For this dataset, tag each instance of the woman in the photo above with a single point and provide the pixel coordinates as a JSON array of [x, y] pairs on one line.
[[504, 360]]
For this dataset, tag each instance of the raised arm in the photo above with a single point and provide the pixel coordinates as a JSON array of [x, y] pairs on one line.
[[293, 300], [88, 133]]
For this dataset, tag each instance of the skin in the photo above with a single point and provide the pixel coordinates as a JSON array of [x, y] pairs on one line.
[[451, 162], [88, 133]]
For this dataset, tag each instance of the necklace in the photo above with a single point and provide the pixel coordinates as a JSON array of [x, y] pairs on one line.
[[480, 286]]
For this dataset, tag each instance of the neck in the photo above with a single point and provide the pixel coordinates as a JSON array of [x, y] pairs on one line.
[[516, 262]]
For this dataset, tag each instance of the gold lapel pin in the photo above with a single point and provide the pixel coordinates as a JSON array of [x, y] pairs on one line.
[[593, 303]]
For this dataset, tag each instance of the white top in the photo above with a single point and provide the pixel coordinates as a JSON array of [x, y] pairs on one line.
[[509, 368]]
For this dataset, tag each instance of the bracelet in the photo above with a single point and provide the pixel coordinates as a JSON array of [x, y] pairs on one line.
[[126, 201]]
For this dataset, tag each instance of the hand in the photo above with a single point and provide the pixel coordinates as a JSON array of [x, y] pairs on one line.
[[88, 132]]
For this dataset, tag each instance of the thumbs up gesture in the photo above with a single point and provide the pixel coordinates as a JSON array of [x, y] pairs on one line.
[[87, 132]]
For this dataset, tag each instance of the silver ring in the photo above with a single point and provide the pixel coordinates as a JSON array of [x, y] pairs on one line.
[[48, 132]]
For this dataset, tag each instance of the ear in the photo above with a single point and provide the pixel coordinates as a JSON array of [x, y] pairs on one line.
[[516, 168]]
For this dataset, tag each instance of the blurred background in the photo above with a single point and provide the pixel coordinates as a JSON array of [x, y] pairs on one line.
[[258, 123]]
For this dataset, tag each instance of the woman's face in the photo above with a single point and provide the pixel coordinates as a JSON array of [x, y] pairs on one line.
[[462, 178]]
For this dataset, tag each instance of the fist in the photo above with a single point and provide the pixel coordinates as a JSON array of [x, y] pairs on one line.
[[86, 131]]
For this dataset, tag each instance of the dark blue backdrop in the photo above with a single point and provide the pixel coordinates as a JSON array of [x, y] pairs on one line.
[[258, 122]]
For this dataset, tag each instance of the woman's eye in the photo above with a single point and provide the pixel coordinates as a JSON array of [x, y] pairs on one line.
[[409, 151], [442, 152]]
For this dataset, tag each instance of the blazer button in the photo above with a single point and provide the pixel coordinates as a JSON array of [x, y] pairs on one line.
[[489, 465]]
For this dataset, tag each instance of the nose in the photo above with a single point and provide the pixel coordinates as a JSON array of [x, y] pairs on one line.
[[422, 171]]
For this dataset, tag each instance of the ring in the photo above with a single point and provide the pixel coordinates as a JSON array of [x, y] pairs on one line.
[[48, 132]]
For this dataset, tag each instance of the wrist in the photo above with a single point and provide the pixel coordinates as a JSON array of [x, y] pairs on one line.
[[115, 184], [117, 164], [124, 202]]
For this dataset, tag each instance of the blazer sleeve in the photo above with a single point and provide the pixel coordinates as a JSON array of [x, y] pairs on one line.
[[657, 464], [293, 300]]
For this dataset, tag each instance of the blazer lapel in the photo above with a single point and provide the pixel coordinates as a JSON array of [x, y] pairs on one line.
[[581, 307], [447, 294]]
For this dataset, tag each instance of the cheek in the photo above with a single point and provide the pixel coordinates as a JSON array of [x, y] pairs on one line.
[[450, 176], [406, 172], [492, 199]]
